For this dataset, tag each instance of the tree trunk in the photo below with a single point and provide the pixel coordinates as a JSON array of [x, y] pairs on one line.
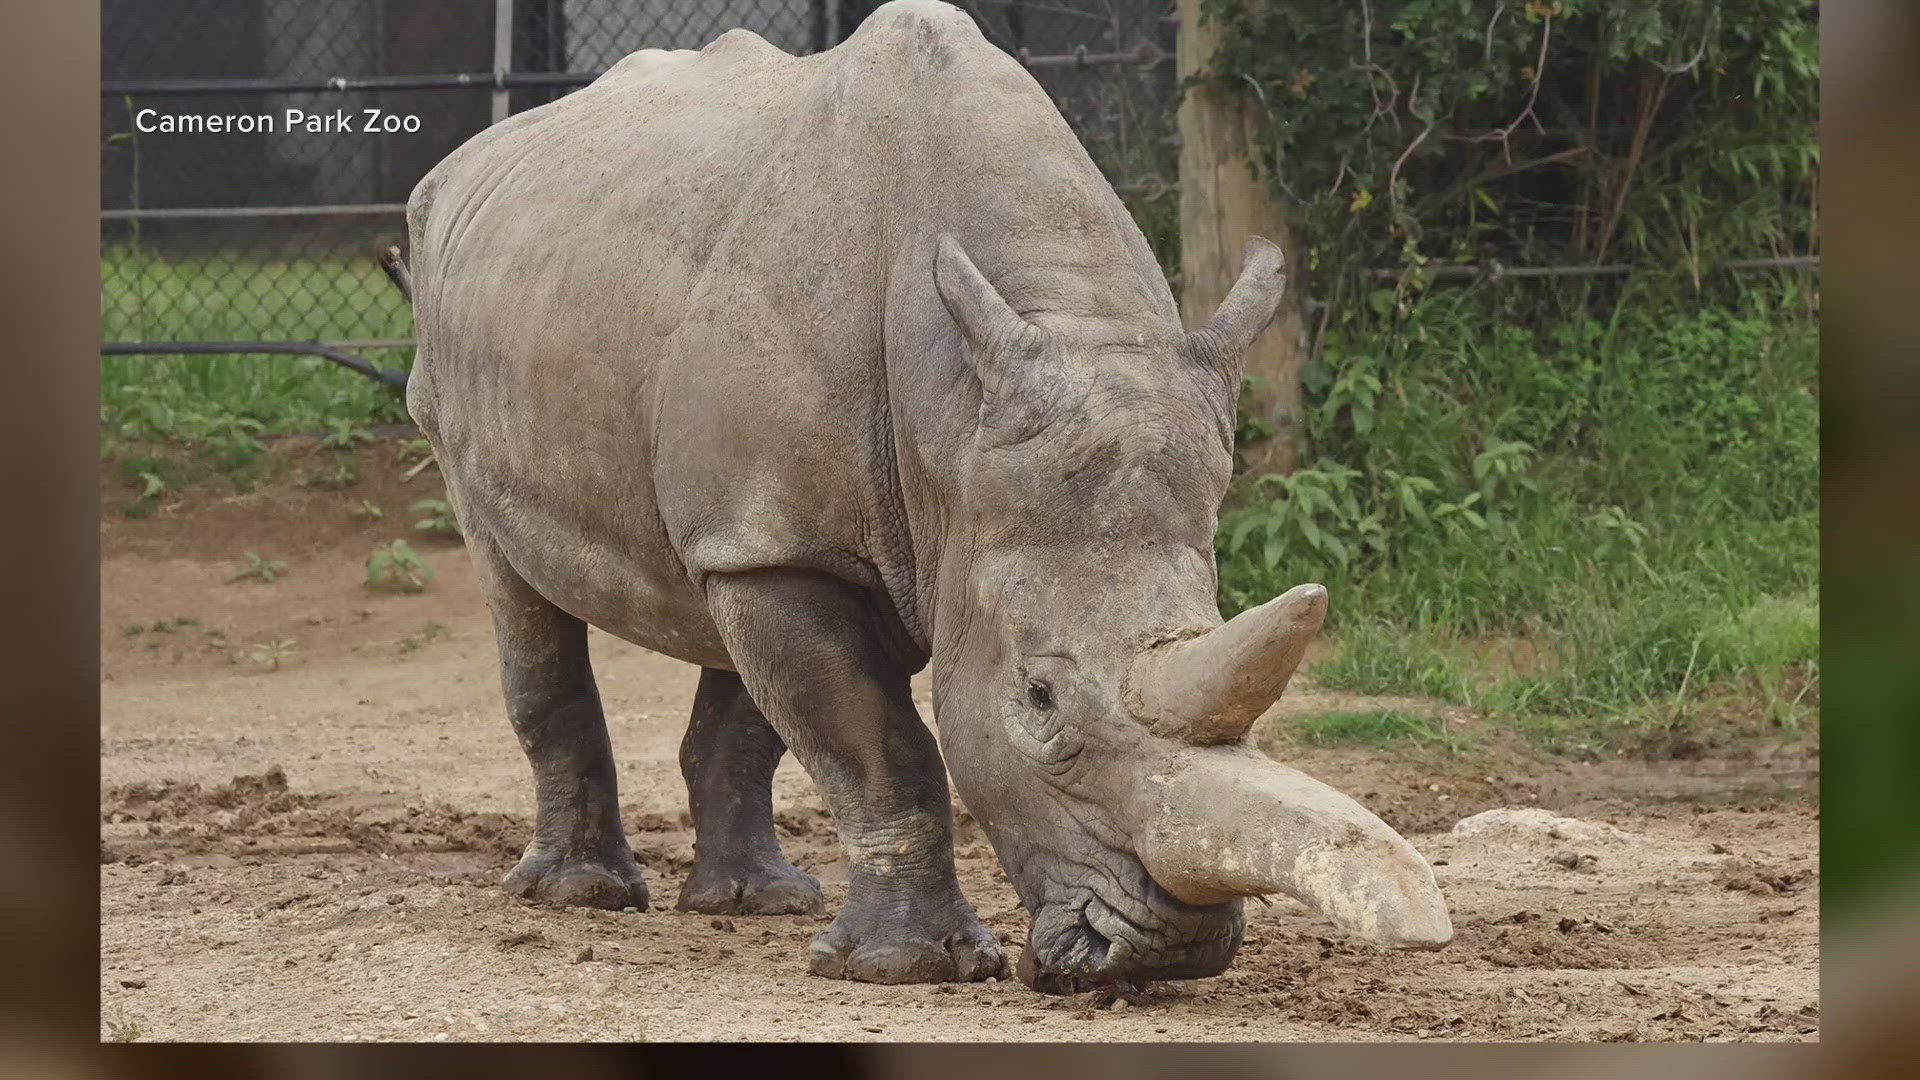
[[1224, 198]]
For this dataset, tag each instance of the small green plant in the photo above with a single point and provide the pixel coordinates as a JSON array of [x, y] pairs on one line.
[[1317, 510], [149, 474], [344, 435], [1500, 470], [342, 473], [124, 1029], [396, 566], [431, 632], [271, 653], [259, 569], [412, 452], [1618, 533], [438, 518], [159, 628], [366, 510], [232, 443]]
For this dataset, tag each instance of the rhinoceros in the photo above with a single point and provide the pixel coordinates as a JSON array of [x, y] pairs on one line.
[[814, 371]]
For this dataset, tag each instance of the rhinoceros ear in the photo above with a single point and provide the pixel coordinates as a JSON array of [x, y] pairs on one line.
[[986, 320], [1248, 308]]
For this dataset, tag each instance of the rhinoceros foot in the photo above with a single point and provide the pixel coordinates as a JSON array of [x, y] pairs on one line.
[[889, 945], [750, 890], [578, 882]]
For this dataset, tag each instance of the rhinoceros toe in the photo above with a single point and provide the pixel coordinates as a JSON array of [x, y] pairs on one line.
[[758, 891], [906, 955], [578, 883]]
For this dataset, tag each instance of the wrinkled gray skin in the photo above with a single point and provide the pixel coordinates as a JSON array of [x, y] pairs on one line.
[[815, 370]]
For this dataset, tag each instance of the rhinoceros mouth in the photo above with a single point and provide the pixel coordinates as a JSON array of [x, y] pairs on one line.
[[1092, 941]]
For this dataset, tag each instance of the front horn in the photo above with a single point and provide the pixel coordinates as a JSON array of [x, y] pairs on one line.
[[1223, 822], [1210, 689]]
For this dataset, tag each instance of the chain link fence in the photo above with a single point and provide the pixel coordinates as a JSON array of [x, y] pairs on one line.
[[257, 241]]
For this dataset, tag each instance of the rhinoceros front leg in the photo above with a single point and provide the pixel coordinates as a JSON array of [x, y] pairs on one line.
[[728, 758], [813, 653], [579, 853]]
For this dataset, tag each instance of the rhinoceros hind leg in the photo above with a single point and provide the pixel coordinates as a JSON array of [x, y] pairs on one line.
[[829, 666], [579, 853], [728, 758]]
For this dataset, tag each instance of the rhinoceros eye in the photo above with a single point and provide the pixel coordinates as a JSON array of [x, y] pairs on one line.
[[1043, 730], [1040, 694]]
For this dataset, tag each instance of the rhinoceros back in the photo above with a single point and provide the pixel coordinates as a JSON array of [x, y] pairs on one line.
[[653, 315]]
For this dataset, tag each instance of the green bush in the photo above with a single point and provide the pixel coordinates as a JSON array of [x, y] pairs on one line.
[[1549, 131], [1580, 495], [1454, 499]]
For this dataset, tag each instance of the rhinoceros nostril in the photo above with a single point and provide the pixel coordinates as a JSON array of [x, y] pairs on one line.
[[1068, 964]]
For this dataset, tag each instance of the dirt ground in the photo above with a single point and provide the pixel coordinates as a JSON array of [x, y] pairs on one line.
[[304, 847]]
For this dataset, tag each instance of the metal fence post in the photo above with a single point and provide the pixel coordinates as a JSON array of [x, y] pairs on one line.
[[502, 53]]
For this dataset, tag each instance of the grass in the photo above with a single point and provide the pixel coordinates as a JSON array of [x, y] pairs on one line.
[[1377, 657], [221, 296], [1578, 526], [174, 421], [145, 296], [1374, 727]]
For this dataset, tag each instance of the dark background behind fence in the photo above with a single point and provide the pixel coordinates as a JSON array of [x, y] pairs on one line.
[[269, 236]]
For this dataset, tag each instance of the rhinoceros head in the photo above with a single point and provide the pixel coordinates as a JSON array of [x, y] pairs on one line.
[[1093, 706]]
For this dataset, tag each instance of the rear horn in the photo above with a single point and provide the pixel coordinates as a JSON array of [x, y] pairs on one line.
[[1210, 689]]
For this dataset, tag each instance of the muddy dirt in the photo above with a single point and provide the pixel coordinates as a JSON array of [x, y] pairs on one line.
[[301, 843]]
